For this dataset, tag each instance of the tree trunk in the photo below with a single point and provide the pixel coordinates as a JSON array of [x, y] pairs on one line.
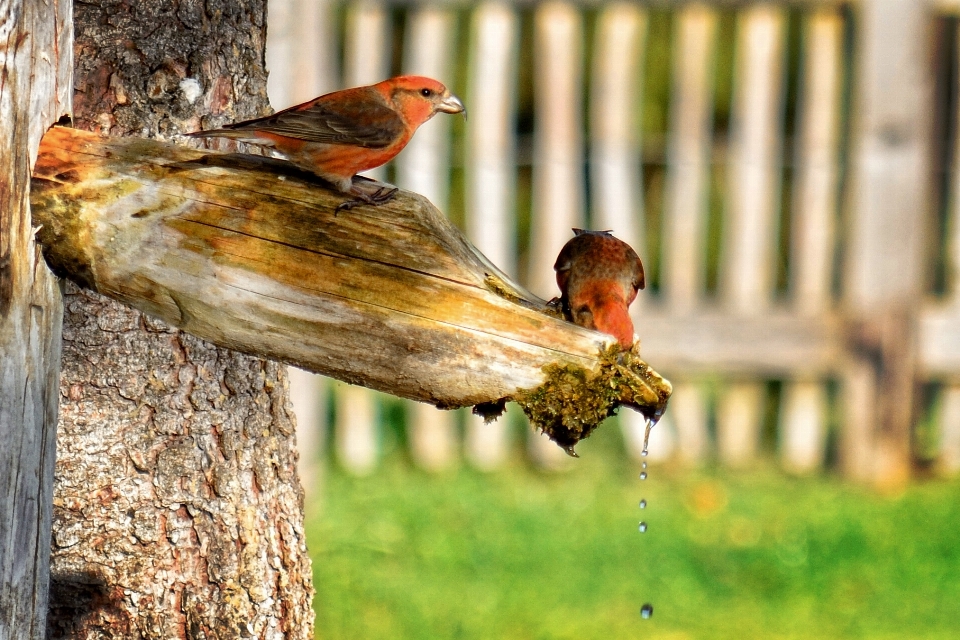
[[34, 90], [178, 512]]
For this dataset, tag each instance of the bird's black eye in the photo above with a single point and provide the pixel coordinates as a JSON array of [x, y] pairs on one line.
[[426, 93]]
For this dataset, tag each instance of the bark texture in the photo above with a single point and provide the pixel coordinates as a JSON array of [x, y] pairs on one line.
[[35, 71], [178, 512]]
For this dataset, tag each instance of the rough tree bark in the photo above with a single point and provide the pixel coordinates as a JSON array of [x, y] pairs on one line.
[[177, 512], [35, 75]]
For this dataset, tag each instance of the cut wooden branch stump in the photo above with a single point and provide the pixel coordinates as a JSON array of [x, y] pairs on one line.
[[249, 253]]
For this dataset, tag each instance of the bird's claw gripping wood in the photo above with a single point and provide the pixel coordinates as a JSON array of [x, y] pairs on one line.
[[382, 195], [391, 297]]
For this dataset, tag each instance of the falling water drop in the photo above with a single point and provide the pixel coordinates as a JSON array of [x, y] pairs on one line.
[[646, 611], [643, 504], [643, 465], [643, 527], [646, 438], [643, 475]]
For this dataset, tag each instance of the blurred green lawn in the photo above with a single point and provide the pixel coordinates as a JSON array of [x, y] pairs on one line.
[[520, 554]]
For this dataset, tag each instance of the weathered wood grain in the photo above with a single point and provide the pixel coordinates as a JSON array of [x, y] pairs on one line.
[[35, 87], [250, 254]]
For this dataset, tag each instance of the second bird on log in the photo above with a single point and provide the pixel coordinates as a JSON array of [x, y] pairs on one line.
[[341, 134], [599, 277]]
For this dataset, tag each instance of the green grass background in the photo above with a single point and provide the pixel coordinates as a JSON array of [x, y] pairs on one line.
[[520, 554]]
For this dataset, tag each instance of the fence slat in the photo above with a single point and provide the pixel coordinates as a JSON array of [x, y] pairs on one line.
[[688, 411], [688, 157], [889, 197], [615, 171], [686, 203], [301, 44], [490, 177], [424, 167], [753, 189], [355, 429], [558, 163], [949, 418], [366, 50], [366, 60], [948, 461], [814, 211], [308, 394], [301, 51]]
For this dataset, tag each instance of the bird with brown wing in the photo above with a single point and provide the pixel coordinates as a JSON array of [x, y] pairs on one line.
[[341, 134], [599, 276]]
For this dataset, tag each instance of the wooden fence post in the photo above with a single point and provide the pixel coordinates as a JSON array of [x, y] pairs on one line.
[[366, 60], [889, 195], [949, 419], [615, 169], [803, 423], [424, 167], [558, 198], [490, 177], [36, 55], [300, 56], [753, 190], [686, 205]]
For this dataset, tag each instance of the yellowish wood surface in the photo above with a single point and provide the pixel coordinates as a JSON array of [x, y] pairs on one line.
[[250, 254]]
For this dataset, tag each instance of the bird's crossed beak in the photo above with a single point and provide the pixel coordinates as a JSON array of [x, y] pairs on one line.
[[452, 104]]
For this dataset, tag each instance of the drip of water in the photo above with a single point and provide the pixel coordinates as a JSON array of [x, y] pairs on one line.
[[643, 504], [646, 437], [646, 611], [643, 475], [642, 527]]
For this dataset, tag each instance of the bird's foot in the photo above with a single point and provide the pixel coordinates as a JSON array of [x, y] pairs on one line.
[[375, 197]]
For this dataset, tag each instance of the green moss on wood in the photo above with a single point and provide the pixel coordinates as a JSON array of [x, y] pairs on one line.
[[573, 401]]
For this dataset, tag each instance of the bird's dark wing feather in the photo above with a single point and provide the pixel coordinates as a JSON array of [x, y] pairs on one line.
[[357, 119]]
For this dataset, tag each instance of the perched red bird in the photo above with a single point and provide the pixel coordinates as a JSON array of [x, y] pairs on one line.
[[343, 133], [599, 277]]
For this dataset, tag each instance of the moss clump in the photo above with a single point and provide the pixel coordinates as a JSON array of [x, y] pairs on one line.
[[573, 401]]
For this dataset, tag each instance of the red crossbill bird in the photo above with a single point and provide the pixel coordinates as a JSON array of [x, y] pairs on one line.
[[599, 277], [341, 134]]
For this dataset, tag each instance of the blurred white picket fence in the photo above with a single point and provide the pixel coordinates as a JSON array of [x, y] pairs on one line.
[[857, 329]]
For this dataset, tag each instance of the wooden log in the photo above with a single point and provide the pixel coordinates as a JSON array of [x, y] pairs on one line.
[[36, 64], [249, 253]]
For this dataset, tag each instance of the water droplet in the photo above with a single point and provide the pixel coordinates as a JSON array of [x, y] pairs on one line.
[[646, 611], [643, 466], [643, 475], [646, 437], [643, 504], [644, 453], [643, 527]]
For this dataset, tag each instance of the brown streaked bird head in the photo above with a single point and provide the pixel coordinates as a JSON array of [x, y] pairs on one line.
[[420, 98], [599, 276]]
